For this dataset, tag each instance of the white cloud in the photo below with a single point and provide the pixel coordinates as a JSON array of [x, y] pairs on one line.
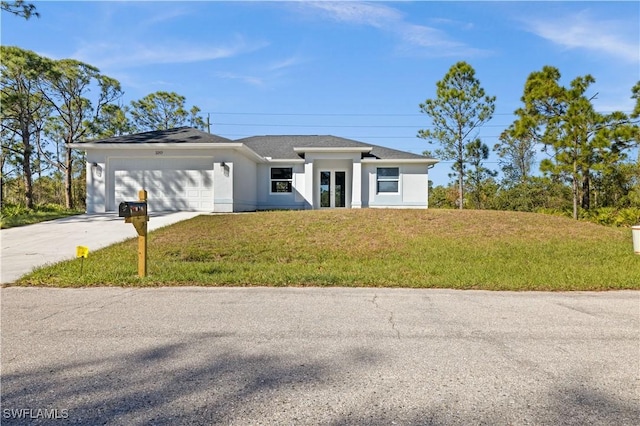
[[252, 80], [415, 38], [269, 73], [163, 17], [375, 15], [126, 55], [582, 31], [285, 63], [434, 42]]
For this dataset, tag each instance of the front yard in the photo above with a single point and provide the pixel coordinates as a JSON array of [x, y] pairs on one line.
[[390, 248]]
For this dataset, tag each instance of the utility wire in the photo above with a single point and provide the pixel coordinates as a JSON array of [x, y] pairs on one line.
[[301, 114], [349, 114], [241, 135], [329, 125]]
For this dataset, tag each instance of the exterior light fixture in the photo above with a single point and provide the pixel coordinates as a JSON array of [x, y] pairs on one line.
[[96, 169]]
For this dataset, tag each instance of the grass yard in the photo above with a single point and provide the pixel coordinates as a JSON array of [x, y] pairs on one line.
[[392, 248]]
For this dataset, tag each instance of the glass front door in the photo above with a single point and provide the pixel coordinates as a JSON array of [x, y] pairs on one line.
[[333, 189]]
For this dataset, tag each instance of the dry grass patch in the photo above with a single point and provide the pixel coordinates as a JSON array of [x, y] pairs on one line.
[[400, 248]]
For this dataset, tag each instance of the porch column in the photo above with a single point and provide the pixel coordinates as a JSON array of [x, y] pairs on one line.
[[356, 185], [308, 185]]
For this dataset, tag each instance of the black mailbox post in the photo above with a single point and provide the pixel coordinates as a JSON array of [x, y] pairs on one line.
[[135, 212]]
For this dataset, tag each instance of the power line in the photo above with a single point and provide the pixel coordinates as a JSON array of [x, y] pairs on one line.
[[331, 125], [351, 114], [246, 135], [301, 114], [334, 114]]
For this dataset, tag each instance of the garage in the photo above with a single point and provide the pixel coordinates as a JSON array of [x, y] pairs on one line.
[[177, 183]]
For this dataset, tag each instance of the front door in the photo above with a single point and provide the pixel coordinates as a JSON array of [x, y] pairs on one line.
[[333, 189]]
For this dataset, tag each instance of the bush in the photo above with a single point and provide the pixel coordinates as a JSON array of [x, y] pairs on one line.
[[612, 216], [628, 217], [51, 208], [17, 215], [12, 210]]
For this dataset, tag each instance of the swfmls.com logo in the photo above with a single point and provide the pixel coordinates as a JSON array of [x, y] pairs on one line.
[[34, 414]]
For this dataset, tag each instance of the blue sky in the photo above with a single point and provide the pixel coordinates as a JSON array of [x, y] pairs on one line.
[[351, 69]]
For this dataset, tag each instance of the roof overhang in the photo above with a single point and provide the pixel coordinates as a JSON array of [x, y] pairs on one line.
[[170, 145], [284, 160], [237, 146], [333, 149], [426, 161]]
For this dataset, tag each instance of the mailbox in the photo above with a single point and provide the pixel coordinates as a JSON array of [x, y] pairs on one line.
[[135, 213], [132, 209]]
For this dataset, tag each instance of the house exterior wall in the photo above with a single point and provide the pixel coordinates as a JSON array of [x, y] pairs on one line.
[[412, 187], [268, 200], [245, 191], [223, 185], [415, 185], [96, 181]]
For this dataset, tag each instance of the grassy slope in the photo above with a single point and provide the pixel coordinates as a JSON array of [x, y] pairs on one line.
[[400, 248]]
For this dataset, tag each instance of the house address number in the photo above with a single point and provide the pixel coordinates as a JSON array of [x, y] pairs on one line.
[[159, 152]]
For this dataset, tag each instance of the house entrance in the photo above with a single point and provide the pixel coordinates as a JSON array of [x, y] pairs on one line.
[[333, 189]]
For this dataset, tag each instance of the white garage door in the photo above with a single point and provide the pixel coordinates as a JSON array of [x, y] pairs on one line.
[[171, 183]]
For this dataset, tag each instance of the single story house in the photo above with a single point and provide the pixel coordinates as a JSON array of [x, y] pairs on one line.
[[187, 169]]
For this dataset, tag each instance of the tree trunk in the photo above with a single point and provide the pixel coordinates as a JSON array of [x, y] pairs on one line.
[[460, 188], [26, 170], [586, 189], [574, 190], [68, 180]]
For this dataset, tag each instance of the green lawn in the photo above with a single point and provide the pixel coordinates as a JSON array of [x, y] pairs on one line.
[[392, 248]]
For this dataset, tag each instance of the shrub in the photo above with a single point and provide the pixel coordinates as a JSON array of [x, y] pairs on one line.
[[11, 210], [611, 216], [17, 215], [51, 208], [628, 217]]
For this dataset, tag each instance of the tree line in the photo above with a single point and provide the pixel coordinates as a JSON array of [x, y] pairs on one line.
[[587, 161], [47, 104]]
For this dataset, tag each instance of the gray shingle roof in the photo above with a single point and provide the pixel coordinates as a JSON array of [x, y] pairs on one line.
[[275, 147], [282, 146], [176, 135]]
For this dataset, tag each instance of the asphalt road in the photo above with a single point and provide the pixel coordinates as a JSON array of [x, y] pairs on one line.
[[243, 356]]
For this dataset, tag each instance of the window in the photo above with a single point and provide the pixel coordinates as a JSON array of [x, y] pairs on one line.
[[388, 178], [281, 179]]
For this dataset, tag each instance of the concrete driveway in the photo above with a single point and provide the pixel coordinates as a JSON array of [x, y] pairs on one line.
[[318, 356], [27, 247]]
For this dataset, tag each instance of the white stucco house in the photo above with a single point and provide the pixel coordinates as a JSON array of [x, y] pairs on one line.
[[187, 169]]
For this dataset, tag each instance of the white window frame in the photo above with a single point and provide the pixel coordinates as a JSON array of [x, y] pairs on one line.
[[395, 179], [272, 181]]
